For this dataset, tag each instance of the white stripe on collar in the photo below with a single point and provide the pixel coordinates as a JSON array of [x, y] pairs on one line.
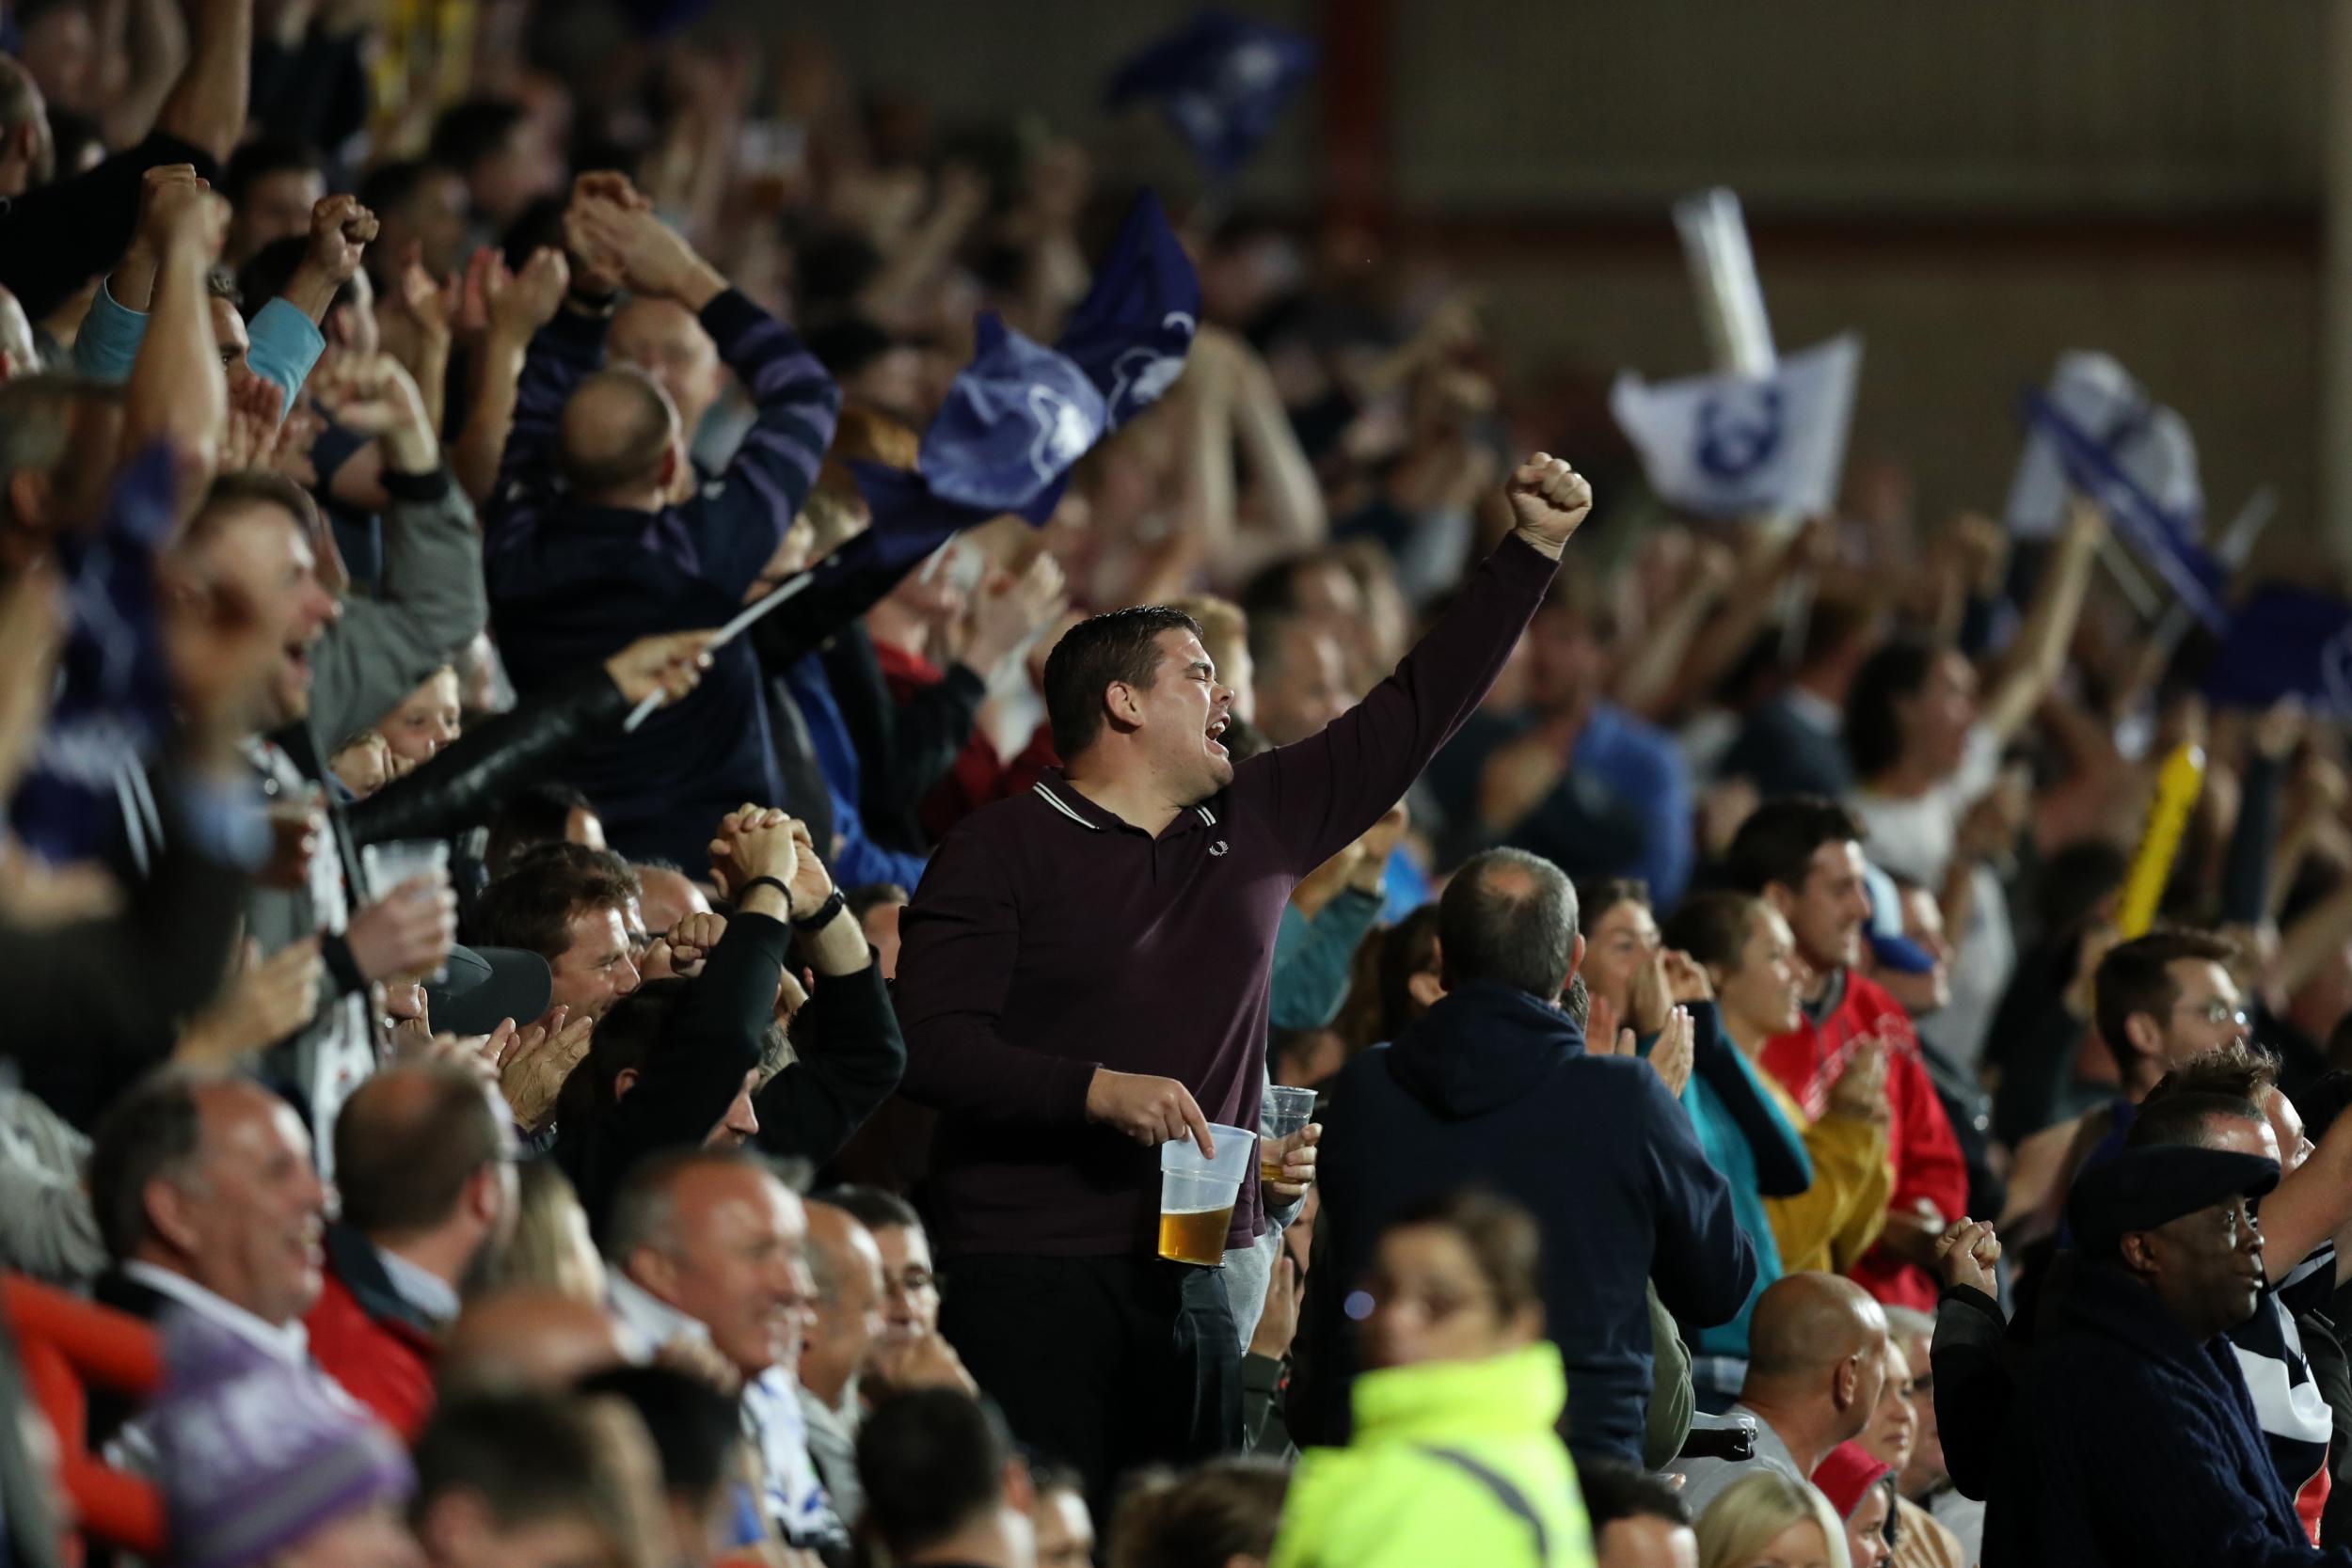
[[1206, 815], [1055, 802]]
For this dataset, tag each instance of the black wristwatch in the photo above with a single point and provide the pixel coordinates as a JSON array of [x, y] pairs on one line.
[[821, 916]]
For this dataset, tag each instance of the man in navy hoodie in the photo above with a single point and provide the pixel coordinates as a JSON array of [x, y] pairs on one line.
[[1493, 1087]]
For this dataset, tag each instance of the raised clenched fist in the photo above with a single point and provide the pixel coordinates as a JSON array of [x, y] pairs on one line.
[[1547, 500]]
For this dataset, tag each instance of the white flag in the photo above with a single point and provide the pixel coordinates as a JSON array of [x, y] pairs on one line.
[[1741, 446], [2149, 443]]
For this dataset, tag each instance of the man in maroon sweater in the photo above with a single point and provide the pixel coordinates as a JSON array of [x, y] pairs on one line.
[[1084, 977]]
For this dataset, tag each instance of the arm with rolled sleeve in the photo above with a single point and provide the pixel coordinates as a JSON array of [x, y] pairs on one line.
[[737, 524], [1325, 791], [961, 942]]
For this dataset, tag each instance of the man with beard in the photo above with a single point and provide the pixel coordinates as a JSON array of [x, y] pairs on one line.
[[425, 1165]]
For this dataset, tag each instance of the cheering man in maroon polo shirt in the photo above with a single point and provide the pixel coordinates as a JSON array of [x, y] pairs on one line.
[[1084, 970]]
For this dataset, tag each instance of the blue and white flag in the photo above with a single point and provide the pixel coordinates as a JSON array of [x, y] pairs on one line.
[[1131, 331], [1014, 420], [1222, 81], [2145, 441], [2165, 542], [2287, 642], [1741, 446]]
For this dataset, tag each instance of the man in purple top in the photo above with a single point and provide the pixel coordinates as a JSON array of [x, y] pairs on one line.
[[1085, 971]]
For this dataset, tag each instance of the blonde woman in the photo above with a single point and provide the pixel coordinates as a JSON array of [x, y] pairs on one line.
[[1771, 1520]]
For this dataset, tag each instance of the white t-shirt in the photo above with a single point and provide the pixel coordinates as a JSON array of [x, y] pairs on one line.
[[1914, 838]]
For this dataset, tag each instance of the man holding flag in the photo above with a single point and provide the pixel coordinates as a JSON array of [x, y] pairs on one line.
[[1085, 970]]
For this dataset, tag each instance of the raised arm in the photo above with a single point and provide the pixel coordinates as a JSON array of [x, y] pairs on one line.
[[2038, 657], [1325, 790], [568, 349], [517, 307], [715, 1039], [431, 600], [849, 1053], [738, 523], [176, 393], [153, 47], [462, 785], [207, 105]]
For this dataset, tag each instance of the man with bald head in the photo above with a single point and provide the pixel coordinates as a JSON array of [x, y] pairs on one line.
[[1817, 1364], [425, 1162], [1495, 1087], [845, 1263], [598, 534], [526, 1336], [665, 896], [707, 1244]]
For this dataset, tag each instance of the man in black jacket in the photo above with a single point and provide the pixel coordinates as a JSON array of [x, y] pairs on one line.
[[679, 1063], [2135, 1440], [1494, 1086]]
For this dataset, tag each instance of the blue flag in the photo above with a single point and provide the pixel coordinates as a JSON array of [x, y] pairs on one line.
[[1131, 331], [1019, 415], [2287, 642], [1015, 419], [1222, 82], [2165, 542]]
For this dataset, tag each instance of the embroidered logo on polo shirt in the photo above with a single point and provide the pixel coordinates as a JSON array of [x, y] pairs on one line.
[[1217, 848]]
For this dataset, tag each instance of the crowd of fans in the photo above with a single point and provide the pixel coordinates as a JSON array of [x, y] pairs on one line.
[[569, 1082]]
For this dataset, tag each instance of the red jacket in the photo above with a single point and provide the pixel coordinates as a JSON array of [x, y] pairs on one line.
[[983, 775], [1919, 1140], [369, 1340]]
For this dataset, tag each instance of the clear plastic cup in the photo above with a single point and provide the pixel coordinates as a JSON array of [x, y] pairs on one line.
[[1196, 1195], [1284, 1111], [388, 864], [403, 860]]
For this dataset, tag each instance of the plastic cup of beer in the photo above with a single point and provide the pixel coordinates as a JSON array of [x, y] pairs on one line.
[[405, 860], [1284, 1111], [1196, 1195]]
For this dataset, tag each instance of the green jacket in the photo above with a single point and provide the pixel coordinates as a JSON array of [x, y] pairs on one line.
[[1453, 1462]]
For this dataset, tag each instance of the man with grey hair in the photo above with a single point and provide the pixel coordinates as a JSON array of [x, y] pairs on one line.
[[710, 1246], [1494, 1087]]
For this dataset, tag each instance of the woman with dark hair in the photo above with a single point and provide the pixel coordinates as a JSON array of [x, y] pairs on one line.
[[1221, 1516], [1927, 749], [1454, 1456]]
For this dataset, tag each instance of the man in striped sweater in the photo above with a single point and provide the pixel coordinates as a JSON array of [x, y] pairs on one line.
[[593, 541]]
